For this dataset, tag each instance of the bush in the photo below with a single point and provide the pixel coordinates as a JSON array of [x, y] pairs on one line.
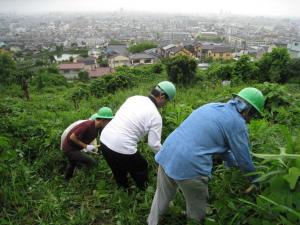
[[181, 69], [109, 84], [48, 79], [140, 47], [157, 68], [273, 67], [83, 76], [220, 71]]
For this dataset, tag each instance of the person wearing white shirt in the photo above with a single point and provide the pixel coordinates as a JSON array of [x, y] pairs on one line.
[[136, 118]]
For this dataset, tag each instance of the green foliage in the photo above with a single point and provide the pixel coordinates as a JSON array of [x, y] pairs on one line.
[[181, 69], [278, 100], [222, 71], [102, 61], [273, 67], [7, 68], [59, 50], [83, 76], [52, 69], [140, 47], [33, 190], [245, 69], [79, 94], [294, 70], [109, 84], [157, 68], [47, 79]]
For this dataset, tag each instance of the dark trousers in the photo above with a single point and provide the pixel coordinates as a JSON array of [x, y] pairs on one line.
[[122, 164], [77, 158]]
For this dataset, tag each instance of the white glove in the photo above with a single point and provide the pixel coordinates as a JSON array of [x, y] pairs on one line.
[[90, 148]]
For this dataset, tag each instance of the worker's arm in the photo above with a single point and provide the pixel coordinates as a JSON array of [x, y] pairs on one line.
[[74, 138], [229, 159], [154, 135], [239, 146]]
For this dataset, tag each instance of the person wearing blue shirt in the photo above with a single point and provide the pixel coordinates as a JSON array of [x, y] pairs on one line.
[[185, 159]]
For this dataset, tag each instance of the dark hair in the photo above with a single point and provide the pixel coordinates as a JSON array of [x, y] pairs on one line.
[[156, 93]]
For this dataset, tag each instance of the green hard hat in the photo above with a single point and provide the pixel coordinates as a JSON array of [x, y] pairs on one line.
[[94, 116], [168, 88], [254, 97], [103, 113]]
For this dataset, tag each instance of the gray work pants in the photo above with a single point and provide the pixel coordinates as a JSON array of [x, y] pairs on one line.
[[195, 192]]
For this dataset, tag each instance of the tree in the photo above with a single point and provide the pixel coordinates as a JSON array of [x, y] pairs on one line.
[[102, 61], [59, 49], [181, 69], [7, 68], [83, 76], [140, 47], [46, 78], [53, 69], [23, 74], [245, 69], [273, 66], [79, 94], [294, 70], [157, 68], [52, 58], [222, 71], [39, 62]]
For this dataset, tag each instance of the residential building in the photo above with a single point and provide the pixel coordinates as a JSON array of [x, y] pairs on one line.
[[116, 49], [221, 52], [142, 58], [100, 71], [165, 51], [87, 61], [118, 60], [180, 51], [294, 49], [71, 70], [276, 45]]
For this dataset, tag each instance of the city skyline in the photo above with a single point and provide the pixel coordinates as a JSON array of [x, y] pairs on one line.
[[269, 8]]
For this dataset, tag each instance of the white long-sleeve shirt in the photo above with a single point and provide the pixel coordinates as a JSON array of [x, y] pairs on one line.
[[136, 118]]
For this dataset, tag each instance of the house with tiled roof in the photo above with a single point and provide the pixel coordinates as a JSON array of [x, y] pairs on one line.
[[71, 70], [221, 52], [165, 51], [142, 58], [91, 60], [118, 60], [180, 50], [100, 71], [116, 49]]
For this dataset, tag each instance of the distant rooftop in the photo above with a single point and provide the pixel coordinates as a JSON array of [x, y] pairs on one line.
[[71, 66], [142, 56]]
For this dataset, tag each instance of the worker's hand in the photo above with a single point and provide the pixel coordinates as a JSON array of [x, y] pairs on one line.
[[90, 148], [252, 188]]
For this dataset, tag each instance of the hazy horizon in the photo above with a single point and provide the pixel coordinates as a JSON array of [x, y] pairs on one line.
[[268, 8]]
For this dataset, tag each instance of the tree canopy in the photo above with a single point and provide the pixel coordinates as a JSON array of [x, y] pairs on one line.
[[140, 47], [7, 68], [181, 69]]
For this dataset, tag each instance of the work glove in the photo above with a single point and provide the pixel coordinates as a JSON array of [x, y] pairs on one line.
[[90, 148], [252, 188]]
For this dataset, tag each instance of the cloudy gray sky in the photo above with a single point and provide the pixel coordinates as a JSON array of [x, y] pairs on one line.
[[282, 8]]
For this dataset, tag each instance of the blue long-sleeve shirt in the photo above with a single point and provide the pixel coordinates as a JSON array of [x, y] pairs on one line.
[[215, 128]]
